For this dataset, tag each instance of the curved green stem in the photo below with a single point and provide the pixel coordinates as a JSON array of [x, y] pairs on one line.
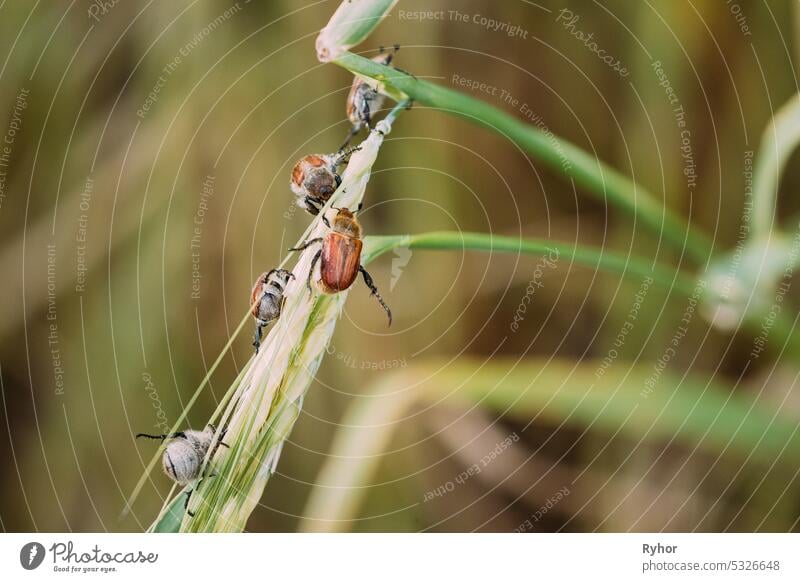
[[590, 256], [559, 154], [779, 140], [781, 328]]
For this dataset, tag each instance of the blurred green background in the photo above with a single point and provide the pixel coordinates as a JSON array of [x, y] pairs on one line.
[[146, 187]]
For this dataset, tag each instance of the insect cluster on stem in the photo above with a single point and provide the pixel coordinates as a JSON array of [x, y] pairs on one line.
[[333, 269], [313, 181]]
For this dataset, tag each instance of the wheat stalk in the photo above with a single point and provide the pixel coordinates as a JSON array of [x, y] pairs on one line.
[[269, 396]]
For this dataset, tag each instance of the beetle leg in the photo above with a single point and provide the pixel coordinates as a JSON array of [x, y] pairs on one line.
[[371, 284], [399, 70], [353, 132], [365, 113], [257, 338], [161, 437], [307, 244], [310, 205], [311, 270], [325, 220], [186, 503], [342, 155]]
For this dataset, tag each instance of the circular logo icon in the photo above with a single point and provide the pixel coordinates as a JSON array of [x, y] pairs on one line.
[[31, 555]]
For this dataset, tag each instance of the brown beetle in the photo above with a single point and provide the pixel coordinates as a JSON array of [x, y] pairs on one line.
[[267, 299], [340, 257], [314, 179], [363, 100]]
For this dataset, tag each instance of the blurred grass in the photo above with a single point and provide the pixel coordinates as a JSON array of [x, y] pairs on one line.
[[70, 460], [696, 414]]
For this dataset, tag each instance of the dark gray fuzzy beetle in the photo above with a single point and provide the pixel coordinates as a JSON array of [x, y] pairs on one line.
[[185, 452], [267, 299]]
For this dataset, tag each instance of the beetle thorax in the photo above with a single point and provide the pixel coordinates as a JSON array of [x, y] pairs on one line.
[[321, 182], [347, 224]]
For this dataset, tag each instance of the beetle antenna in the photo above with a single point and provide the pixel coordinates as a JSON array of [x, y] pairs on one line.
[[353, 132]]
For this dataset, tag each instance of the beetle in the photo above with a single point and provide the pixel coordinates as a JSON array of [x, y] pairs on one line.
[[315, 179], [363, 100], [184, 454], [267, 299], [340, 257]]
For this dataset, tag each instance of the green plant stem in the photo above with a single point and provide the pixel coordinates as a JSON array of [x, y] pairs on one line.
[[781, 332], [690, 410], [599, 258], [779, 140], [561, 155], [185, 413]]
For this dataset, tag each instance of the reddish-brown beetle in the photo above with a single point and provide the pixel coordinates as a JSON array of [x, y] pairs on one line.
[[340, 257], [314, 179], [363, 100]]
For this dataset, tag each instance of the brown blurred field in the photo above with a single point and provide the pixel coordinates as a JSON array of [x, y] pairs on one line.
[[132, 229]]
